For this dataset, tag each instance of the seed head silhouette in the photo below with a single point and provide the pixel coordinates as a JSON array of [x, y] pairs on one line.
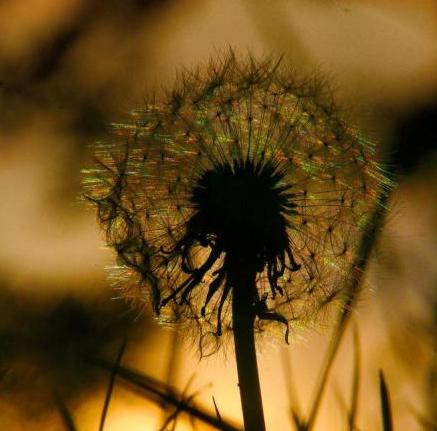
[[243, 181]]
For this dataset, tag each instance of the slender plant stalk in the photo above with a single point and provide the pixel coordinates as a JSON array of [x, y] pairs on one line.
[[111, 384], [295, 411], [158, 392], [353, 412], [387, 421], [65, 413], [373, 227], [248, 378]]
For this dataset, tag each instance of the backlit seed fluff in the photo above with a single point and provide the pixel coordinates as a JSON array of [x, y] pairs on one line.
[[240, 164]]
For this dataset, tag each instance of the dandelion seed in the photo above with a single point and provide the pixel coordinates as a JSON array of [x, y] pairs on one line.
[[243, 189]]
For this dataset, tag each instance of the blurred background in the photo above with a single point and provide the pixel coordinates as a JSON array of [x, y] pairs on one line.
[[70, 67]]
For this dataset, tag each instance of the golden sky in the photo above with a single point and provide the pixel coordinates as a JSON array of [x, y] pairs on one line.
[[70, 67]]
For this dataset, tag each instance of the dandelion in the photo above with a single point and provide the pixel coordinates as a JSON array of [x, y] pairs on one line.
[[236, 203]]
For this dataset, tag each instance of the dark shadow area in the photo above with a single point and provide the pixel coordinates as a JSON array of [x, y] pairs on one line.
[[45, 344], [415, 138]]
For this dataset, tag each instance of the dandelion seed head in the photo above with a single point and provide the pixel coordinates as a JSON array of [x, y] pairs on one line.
[[240, 164]]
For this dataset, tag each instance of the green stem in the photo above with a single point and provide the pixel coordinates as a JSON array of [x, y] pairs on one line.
[[243, 283]]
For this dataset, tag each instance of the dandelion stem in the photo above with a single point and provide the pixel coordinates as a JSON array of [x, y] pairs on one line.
[[243, 283]]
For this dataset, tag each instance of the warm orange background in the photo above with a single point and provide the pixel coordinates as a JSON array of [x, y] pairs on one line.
[[69, 67]]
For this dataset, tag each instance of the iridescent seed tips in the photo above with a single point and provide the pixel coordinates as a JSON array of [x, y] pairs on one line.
[[240, 163]]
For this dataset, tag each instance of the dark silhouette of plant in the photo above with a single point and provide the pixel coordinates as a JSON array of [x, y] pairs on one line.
[[236, 202]]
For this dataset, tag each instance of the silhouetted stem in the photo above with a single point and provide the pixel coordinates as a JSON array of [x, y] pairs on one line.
[[243, 318]]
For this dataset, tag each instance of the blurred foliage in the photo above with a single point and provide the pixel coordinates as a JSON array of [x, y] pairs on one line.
[[45, 344]]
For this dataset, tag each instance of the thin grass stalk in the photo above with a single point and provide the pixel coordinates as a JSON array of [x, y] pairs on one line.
[[65, 413], [172, 418], [111, 384], [295, 411], [159, 392], [351, 295], [355, 382], [217, 411], [387, 421]]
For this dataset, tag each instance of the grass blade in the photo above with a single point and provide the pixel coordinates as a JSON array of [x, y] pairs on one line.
[[66, 416], [111, 384], [387, 422], [295, 411], [217, 411], [355, 382], [159, 392], [373, 226]]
